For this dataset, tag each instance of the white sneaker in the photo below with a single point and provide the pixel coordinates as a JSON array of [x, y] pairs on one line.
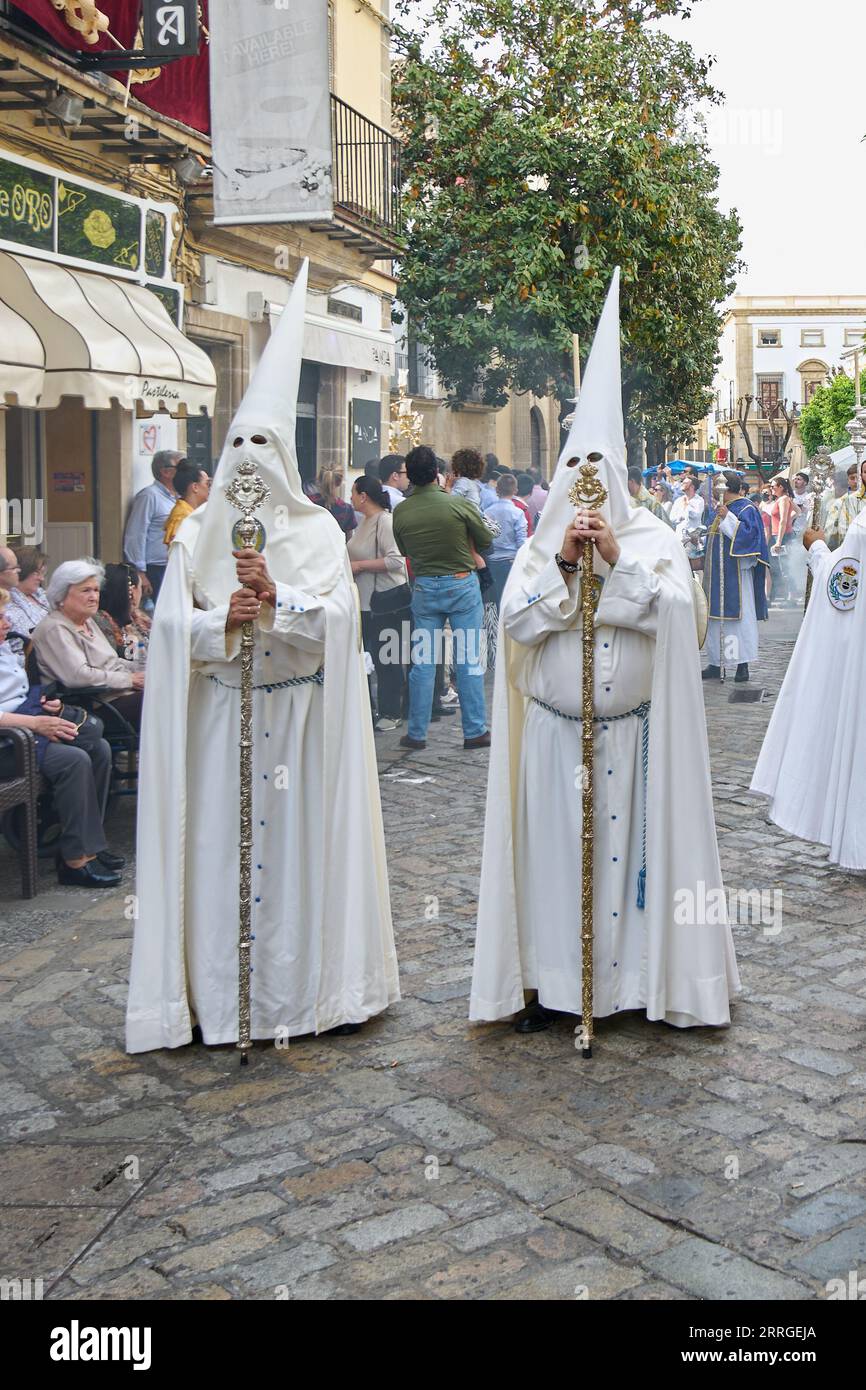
[[387, 726], [450, 697]]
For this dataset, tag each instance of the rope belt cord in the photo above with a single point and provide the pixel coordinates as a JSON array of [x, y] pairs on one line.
[[317, 678], [641, 712]]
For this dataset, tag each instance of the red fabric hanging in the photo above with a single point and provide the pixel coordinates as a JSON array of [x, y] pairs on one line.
[[182, 90]]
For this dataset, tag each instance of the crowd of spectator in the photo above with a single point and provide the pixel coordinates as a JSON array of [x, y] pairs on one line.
[[430, 543]]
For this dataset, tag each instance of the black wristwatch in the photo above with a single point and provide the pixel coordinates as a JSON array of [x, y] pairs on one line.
[[565, 565]]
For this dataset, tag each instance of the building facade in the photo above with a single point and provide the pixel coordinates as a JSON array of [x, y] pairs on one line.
[[131, 322], [524, 433], [778, 350]]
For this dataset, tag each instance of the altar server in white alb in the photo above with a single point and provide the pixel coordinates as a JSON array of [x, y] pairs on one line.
[[652, 777], [323, 952], [819, 793]]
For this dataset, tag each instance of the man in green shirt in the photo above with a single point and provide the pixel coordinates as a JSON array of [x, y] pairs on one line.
[[436, 531]]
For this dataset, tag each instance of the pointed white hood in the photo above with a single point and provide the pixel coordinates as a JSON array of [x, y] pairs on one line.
[[597, 428], [304, 543]]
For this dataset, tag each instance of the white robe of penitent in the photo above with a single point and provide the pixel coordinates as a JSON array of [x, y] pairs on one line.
[[662, 958], [741, 635], [817, 791], [323, 951]]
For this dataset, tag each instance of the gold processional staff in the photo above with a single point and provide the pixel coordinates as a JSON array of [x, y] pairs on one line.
[[247, 492], [587, 493]]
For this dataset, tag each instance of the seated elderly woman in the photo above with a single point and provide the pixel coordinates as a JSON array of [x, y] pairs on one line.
[[70, 647], [74, 759], [28, 602]]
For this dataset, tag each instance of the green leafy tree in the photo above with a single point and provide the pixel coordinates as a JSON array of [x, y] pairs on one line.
[[547, 141], [824, 419]]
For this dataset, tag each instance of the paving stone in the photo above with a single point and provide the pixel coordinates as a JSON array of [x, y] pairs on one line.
[[589, 1279], [216, 1254], [407, 1221], [819, 1060], [283, 1267], [524, 1170], [439, 1125], [490, 1229], [615, 1223], [834, 1258], [811, 1172], [242, 1174], [323, 1180], [710, 1271], [824, 1213], [617, 1163]]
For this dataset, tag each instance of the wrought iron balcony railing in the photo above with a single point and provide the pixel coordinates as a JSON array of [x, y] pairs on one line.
[[366, 178]]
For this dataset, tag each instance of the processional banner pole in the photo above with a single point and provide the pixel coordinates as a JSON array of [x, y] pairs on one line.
[[720, 487], [247, 492], [587, 493]]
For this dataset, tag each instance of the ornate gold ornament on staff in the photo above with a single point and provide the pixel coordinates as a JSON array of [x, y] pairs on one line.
[[247, 492], [587, 493], [720, 487], [821, 471]]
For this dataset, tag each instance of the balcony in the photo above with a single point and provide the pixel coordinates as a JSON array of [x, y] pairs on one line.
[[366, 176], [366, 158]]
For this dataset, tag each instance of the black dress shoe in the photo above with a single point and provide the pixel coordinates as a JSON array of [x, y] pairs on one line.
[[711, 673], [536, 1019], [482, 741], [111, 861], [90, 875], [343, 1030], [196, 1033], [416, 743], [742, 672]]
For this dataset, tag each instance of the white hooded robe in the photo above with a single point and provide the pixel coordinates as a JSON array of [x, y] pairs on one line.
[[323, 950], [529, 918], [818, 793]]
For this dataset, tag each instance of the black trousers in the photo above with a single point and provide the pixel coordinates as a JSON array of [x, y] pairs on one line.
[[79, 775], [390, 674], [156, 574]]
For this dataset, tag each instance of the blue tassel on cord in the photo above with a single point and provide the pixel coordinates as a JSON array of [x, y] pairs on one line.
[[641, 889]]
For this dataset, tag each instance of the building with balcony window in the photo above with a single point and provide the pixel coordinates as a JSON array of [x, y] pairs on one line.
[[131, 322], [524, 433], [779, 349]]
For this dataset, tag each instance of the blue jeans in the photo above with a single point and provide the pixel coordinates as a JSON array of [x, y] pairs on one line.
[[435, 598]]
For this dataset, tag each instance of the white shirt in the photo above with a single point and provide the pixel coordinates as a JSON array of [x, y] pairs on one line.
[[395, 495], [14, 684], [686, 514]]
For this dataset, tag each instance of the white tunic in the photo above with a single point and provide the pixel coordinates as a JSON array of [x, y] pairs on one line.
[[741, 635], [820, 795], [549, 808], [323, 951]]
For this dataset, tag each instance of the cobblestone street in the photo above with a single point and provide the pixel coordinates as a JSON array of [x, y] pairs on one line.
[[428, 1159]]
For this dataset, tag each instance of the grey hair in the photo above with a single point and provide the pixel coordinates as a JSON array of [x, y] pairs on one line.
[[164, 458], [69, 573]]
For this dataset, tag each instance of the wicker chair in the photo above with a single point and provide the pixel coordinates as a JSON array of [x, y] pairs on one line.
[[20, 792]]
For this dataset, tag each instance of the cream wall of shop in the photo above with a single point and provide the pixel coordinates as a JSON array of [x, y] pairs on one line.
[[506, 431], [230, 288], [361, 57]]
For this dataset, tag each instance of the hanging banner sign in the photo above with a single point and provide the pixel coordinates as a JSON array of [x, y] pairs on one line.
[[170, 30], [270, 111]]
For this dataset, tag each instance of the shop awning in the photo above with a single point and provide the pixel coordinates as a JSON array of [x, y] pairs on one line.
[[22, 360], [344, 345], [104, 340]]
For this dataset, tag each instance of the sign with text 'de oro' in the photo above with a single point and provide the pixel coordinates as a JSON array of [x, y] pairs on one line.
[[170, 29]]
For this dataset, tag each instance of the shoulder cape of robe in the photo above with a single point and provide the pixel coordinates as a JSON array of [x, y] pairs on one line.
[[355, 897], [690, 969], [750, 539], [818, 791]]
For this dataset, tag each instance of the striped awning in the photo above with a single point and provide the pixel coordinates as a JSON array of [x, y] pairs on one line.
[[99, 338]]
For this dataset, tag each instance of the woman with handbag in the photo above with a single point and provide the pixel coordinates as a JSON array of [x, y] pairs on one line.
[[380, 574], [74, 759]]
